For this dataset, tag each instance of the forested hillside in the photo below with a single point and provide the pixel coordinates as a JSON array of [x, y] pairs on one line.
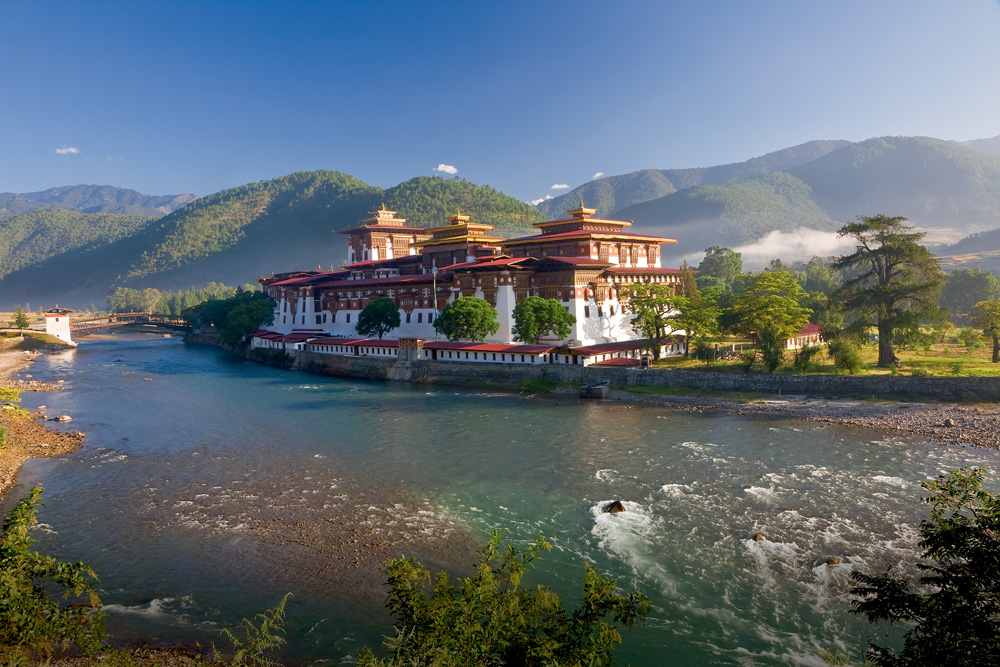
[[239, 234], [34, 237], [614, 193], [92, 199], [929, 181]]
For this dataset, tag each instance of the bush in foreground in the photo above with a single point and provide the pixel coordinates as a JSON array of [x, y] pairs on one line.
[[954, 613], [487, 619]]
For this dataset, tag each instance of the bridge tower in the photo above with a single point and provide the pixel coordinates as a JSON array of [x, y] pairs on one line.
[[57, 324]]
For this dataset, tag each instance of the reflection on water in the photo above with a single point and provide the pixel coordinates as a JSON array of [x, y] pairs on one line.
[[208, 491]]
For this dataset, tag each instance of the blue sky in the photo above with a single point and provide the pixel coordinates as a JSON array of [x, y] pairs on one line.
[[173, 96]]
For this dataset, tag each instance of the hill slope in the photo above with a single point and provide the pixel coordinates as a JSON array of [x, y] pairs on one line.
[[236, 235], [30, 238], [93, 199], [729, 215], [614, 193], [929, 181]]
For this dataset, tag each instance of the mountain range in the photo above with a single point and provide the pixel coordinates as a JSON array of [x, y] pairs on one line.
[[71, 245], [233, 236]]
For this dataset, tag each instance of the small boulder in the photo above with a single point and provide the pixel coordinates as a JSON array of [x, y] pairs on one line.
[[614, 507], [833, 560], [950, 422], [758, 537], [63, 418]]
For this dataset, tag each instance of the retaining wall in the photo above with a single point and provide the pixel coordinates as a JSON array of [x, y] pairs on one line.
[[445, 372]]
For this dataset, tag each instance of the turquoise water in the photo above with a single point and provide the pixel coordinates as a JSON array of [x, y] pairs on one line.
[[205, 492]]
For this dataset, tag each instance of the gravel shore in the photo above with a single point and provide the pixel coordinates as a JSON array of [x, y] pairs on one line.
[[948, 423], [25, 437]]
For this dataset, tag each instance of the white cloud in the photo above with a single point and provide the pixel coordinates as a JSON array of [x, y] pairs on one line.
[[67, 150], [447, 168], [597, 175], [536, 202], [559, 186]]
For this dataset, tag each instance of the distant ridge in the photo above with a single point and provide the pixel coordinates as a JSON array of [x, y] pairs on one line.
[[990, 146], [614, 193], [93, 199]]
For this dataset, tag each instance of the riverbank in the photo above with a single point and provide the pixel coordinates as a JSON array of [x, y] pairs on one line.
[[24, 436], [933, 414], [977, 425]]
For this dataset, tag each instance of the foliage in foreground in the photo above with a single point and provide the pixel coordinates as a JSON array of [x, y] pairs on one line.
[[32, 623], [254, 638], [955, 613], [487, 619]]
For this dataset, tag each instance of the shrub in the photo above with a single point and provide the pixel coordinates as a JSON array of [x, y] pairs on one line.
[[487, 619], [846, 356], [705, 351], [952, 615], [747, 359], [803, 358], [920, 373], [31, 623]]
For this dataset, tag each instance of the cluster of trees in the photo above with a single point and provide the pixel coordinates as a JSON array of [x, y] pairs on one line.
[[890, 284], [165, 302], [233, 318]]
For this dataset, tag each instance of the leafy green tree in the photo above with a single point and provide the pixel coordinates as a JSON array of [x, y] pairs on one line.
[[467, 318], [964, 288], [233, 318], [697, 316], [770, 309], [31, 622], [986, 316], [535, 317], [723, 263], [488, 619], [816, 276], [688, 282], [955, 612], [378, 317], [20, 320], [651, 305], [894, 283]]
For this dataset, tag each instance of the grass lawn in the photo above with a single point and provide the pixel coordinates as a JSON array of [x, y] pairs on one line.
[[941, 359]]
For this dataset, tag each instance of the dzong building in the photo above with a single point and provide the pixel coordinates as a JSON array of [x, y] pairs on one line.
[[585, 262]]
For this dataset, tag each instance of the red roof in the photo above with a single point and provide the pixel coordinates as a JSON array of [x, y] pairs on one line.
[[579, 261], [382, 228], [808, 329], [488, 347], [302, 279], [545, 238]]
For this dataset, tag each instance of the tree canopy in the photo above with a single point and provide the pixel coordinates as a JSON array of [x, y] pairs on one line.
[[986, 316], [378, 317], [20, 320], [234, 318], [955, 611], [467, 318], [894, 281], [723, 263], [964, 288], [535, 317], [651, 305], [770, 308]]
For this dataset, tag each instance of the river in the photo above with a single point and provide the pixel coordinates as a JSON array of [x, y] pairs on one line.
[[209, 486]]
